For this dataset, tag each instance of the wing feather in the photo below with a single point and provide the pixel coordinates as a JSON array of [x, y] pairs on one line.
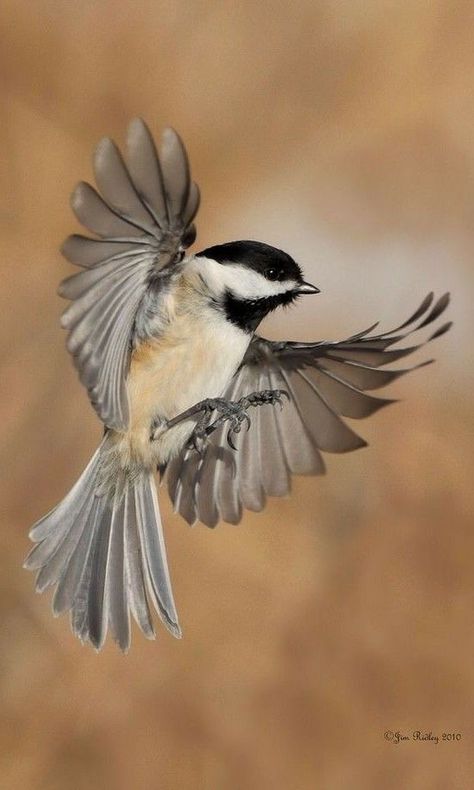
[[275, 476], [205, 494], [115, 185], [327, 430], [185, 502], [301, 453], [87, 252], [95, 215], [248, 450], [228, 494], [176, 176], [346, 399], [145, 170], [192, 204]]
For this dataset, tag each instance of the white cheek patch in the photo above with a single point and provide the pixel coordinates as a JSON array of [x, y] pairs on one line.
[[244, 283]]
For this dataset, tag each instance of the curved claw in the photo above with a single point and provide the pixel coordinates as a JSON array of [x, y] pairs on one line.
[[234, 412]]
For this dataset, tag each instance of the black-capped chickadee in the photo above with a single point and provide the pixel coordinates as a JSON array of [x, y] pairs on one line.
[[165, 344]]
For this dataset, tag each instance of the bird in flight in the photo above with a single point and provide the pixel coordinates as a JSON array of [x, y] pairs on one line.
[[165, 343]]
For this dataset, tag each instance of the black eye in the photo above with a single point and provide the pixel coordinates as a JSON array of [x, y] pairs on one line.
[[272, 273]]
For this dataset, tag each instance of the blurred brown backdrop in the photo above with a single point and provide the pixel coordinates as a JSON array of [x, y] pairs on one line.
[[343, 132]]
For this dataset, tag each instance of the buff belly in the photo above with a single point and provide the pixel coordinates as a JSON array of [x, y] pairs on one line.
[[189, 362]]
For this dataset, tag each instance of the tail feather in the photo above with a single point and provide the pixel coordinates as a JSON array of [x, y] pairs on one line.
[[99, 568], [74, 585], [115, 593], [75, 568], [153, 547], [106, 554], [55, 562], [51, 530], [134, 566]]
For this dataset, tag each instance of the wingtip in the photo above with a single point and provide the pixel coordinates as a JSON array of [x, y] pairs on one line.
[[358, 443], [170, 140], [61, 291], [440, 331], [77, 195], [138, 121], [104, 142], [387, 402], [445, 300], [65, 245], [103, 151], [137, 128], [63, 321], [168, 133]]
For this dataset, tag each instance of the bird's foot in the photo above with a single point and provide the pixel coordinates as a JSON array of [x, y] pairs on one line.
[[233, 412]]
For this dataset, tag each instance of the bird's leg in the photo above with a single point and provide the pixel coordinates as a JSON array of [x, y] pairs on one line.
[[234, 412]]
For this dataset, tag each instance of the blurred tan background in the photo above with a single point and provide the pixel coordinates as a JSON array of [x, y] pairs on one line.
[[343, 132]]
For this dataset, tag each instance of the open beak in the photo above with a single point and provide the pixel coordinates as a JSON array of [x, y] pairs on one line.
[[307, 288]]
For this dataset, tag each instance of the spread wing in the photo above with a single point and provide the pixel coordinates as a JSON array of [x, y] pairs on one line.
[[143, 220], [325, 382]]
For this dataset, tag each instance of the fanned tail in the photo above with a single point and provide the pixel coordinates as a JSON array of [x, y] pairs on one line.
[[104, 550]]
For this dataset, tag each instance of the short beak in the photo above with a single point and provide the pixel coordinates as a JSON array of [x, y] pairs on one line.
[[307, 288]]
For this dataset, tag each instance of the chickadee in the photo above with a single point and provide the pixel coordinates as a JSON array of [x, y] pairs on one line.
[[165, 345]]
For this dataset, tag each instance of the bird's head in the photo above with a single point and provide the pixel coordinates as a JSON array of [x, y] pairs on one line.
[[248, 279]]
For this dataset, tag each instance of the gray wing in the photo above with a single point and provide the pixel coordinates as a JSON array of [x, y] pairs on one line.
[[325, 382], [143, 220]]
